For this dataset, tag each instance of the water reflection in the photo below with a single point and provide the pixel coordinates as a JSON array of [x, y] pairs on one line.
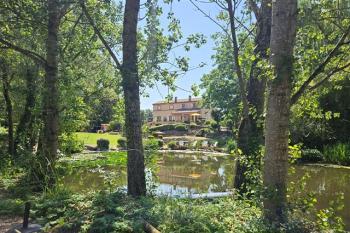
[[327, 183], [182, 174]]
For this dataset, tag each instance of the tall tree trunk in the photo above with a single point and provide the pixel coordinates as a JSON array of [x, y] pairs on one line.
[[24, 130], [283, 30], [50, 94], [9, 109], [250, 132], [131, 82]]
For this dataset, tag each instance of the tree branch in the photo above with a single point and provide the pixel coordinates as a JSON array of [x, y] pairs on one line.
[[28, 53], [320, 68], [254, 7], [97, 31], [236, 65], [320, 83]]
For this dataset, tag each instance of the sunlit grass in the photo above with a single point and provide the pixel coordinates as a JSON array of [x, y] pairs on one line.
[[91, 138]]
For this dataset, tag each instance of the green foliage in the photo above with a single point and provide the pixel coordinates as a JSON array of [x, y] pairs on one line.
[[91, 138], [114, 126], [221, 84], [172, 145], [121, 143], [311, 155], [69, 144], [231, 145], [168, 127], [102, 144], [152, 144], [337, 153], [204, 132], [11, 207], [181, 127]]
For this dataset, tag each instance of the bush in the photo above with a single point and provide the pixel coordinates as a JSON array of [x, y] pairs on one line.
[[193, 125], [114, 126], [338, 153], [162, 128], [231, 145], [311, 155], [152, 144], [203, 132], [102, 144], [178, 127], [172, 145], [121, 143], [69, 144], [181, 127], [3, 133]]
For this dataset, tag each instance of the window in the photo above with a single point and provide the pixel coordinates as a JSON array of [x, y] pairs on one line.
[[158, 107], [183, 105], [171, 106], [171, 118], [194, 105], [165, 118], [159, 118]]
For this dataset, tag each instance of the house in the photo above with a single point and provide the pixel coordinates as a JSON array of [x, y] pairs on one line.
[[180, 110]]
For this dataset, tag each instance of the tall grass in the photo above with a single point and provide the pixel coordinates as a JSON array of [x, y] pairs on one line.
[[337, 153]]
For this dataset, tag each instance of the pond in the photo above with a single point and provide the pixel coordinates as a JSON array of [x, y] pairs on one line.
[[180, 175]]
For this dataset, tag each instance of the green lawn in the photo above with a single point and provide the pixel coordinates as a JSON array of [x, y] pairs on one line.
[[91, 138]]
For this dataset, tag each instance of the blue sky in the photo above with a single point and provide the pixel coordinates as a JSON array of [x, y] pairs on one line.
[[192, 21]]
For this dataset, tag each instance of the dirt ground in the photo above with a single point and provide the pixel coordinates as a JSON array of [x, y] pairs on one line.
[[7, 222]]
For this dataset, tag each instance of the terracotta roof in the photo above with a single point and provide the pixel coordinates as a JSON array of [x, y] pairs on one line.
[[178, 101]]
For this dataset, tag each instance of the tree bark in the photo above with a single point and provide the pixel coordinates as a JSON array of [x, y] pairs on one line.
[[9, 109], [283, 30], [131, 82], [250, 132], [25, 130], [50, 94]]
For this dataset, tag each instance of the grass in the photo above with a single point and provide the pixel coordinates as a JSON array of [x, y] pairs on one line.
[[91, 138]]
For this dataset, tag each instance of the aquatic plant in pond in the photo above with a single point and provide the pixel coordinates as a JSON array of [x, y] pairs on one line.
[[338, 153]]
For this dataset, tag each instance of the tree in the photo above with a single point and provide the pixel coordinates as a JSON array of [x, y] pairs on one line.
[[283, 32], [54, 10], [131, 84], [5, 78], [250, 132]]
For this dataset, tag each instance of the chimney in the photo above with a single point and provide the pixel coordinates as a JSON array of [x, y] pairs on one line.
[[189, 98], [175, 99]]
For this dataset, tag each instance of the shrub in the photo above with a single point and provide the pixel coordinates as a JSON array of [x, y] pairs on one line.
[[181, 127], [3, 133], [203, 132], [193, 125], [160, 143], [172, 145], [122, 143], [69, 144], [162, 127], [338, 153], [311, 155], [114, 126], [103, 144], [151, 144], [231, 145]]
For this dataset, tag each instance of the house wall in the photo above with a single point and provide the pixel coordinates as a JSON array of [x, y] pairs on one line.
[[164, 112]]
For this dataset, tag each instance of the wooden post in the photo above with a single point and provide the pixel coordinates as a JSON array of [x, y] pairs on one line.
[[26, 215]]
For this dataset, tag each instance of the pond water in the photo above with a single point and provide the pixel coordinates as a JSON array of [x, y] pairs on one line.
[[184, 174]]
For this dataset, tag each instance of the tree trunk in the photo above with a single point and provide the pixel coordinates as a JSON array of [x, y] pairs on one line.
[[283, 30], [250, 132], [25, 130], [9, 109], [131, 82], [50, 94]]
